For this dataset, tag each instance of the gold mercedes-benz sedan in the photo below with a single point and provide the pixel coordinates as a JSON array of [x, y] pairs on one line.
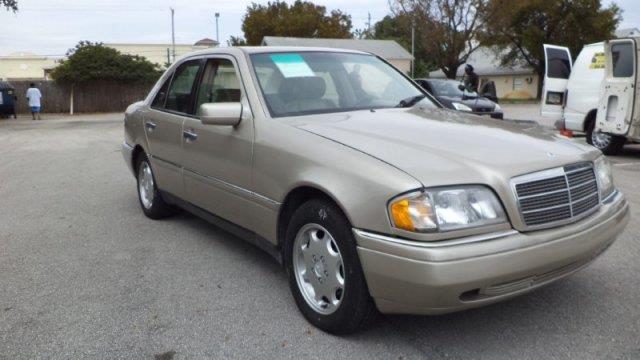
[[371, 194]]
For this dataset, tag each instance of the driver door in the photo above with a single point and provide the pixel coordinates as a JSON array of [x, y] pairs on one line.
[[558, 68], [618, 92], [218, 158]]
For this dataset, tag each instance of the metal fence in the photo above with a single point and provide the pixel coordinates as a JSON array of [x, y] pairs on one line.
[[95, 97]]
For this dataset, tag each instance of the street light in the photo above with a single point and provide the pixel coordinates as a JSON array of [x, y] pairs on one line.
[[217, 15]]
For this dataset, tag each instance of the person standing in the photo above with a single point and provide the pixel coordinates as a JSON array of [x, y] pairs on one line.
[[470, 78], [34, 96]]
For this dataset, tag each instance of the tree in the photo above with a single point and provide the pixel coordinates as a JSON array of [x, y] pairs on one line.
[[447, 30], [520, 28], [236, 41], [301, 19], [10, 5], [89, 62], [398, 28]]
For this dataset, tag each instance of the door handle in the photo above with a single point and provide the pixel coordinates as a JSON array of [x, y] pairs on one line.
[[150, 125], [189, 136]]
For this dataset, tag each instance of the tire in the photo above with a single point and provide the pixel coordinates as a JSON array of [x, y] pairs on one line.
[[607, 143], [349, 307], [151, 202]]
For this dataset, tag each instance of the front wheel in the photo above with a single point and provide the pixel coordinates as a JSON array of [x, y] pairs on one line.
[[325, 275], [151, 201], [607, 143]]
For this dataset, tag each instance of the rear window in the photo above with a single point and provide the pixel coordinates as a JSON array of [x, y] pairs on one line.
[[559, 64], [622, 59]]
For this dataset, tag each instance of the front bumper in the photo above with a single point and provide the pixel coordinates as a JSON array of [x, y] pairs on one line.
[[494, 114], [413, 277], [127, 153]]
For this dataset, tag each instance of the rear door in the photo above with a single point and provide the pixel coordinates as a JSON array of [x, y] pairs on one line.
[[558, 68], [617, 95], [163, 126]]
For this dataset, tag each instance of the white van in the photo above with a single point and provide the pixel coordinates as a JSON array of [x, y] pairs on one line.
[[573, 93], [617, 115]]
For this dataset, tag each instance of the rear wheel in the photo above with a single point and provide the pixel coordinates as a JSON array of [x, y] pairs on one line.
[[151, 201], [607, 143], [325, 275]]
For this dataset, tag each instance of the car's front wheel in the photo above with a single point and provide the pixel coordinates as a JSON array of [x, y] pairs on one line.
[[151, 201], [324, 270]]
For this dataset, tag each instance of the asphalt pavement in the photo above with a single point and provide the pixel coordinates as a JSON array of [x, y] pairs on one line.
[[84, 274]]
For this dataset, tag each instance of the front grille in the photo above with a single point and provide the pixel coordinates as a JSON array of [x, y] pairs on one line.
[[558, 195]]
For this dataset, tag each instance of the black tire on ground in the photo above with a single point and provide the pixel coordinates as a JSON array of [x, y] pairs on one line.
[[356, 309], [613, 146], [159, 209]]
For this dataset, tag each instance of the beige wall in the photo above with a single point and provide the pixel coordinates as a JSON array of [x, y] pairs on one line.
[[514, 86], [16, 67], [402, 65], [156, 53]]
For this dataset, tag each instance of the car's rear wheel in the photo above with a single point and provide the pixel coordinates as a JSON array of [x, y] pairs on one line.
[[325, 274], [150, 198], [607, 143]]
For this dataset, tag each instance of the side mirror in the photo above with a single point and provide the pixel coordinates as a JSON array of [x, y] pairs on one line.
[[225, 114]]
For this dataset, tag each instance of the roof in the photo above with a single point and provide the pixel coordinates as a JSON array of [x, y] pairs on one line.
[[206, 42], [486, 62], [239, 50], [24, 56], [627, 32], [387, 49]]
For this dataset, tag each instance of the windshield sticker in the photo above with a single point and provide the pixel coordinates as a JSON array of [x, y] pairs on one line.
[[597, 61], [292, 65]]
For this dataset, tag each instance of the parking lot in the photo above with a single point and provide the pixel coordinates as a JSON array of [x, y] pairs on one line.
[[83, 273]]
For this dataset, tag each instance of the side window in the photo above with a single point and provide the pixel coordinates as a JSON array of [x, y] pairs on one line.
[[180, 92], [220, 83], [559, 64], [161, 96], [622, 59]]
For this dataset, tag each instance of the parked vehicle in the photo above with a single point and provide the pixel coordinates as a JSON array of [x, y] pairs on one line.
[[370, 194], [453, 95], [7, 100], [572, 92]]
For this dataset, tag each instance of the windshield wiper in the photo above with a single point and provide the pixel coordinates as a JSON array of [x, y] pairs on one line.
[[410, 101]]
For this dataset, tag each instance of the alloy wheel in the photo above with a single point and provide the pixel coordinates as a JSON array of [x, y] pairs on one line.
[[145, 185], [319, 269]]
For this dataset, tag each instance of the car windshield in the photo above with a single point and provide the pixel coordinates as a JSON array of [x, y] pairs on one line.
[[302, 83], [450, 89]]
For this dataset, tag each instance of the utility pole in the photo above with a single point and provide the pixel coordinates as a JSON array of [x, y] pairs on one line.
[[369, 23], [168, 57], [173, 35], [217, 15], [413, 41]]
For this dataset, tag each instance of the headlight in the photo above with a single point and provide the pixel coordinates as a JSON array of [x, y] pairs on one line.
[[445, 209], [497, 108], [604, 175], [461, 107]]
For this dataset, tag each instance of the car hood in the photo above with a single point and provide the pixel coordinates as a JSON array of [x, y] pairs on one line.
[[439, 146]]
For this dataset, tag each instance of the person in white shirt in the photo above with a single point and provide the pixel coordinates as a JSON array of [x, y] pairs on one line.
[[34, 96]]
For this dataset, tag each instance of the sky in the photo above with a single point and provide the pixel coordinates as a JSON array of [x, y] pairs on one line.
[[57, 25]]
